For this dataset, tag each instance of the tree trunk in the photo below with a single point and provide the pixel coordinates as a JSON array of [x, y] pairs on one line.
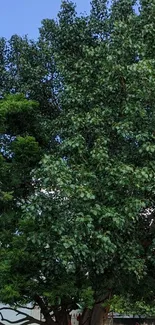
[[97, 316], [62, 317]]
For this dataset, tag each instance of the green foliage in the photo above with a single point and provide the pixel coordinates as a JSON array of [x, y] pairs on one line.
[[16, 108], [26, 150], [87, 298], [124, 305], [80, 162]]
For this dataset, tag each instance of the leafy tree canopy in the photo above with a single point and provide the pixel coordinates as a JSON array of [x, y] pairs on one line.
[[83, 233]]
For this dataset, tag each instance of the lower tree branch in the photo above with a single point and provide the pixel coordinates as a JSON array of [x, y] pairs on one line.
[[44, 310], [27, 319], [25, 307], [2, 323], [27, 323], [13, 322]]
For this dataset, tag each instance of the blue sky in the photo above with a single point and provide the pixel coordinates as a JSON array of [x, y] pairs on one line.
[[24, 16]]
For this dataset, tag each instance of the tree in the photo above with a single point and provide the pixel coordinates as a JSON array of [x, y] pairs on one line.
[[25, 120], [26, 131], [87, 233]]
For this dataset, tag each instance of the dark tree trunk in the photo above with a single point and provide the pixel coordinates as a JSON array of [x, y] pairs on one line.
[[97, 316], [62, 317]]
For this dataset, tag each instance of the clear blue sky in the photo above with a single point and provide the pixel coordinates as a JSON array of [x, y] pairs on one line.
[[24, 16]]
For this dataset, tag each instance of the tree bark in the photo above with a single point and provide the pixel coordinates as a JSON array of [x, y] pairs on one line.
[[97, 316], [44, 311], [62, 317]]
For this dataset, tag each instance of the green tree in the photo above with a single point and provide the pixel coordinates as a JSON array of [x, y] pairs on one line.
[[86, 232], [26, 131]]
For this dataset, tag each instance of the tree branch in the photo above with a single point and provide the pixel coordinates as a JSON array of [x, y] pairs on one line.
[[27, 323], [44, 309], [2, 323], [29, 308], [15, 310], [27, 317], [13, 322], [86, 320]]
